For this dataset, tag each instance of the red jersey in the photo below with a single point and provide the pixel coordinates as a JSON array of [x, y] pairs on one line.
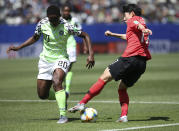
[[137, 42]]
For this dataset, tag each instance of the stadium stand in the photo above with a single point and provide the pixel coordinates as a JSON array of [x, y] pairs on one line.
[[15, 12]]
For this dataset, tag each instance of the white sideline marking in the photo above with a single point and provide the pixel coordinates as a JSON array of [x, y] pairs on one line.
[[97, 101], [142, 127]]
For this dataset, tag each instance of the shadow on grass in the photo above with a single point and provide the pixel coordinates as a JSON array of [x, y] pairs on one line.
[[78, 93], [154, 119], [69, 119], [106, 120], [50, 119]]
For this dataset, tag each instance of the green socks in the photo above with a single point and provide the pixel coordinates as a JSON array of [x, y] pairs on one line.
[[61, 101], [68, 81], [60, 95]]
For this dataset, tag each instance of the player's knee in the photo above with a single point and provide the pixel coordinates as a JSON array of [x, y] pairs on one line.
[[122, 85], [106, 77], [57, 84]]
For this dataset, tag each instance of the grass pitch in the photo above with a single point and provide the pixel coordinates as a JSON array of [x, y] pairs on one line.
[[154, 98]]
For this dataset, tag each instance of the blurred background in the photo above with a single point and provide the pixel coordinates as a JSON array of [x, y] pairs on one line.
[[18, 19]]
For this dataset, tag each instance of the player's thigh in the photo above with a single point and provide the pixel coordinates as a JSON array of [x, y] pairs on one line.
[[106, 76], [132, 77], [59, 71], [119, 68], [122, 85], [58, 75]]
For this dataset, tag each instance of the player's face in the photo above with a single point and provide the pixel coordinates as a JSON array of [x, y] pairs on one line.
[[54, 20], [66, 12], [127, 16]]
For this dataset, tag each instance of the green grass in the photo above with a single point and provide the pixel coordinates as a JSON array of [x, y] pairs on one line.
[[160, 83]]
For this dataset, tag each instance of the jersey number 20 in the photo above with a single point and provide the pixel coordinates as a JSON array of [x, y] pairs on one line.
[[63, 64]]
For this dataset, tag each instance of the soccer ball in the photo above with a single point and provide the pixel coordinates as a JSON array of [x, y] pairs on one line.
[[89, 115]]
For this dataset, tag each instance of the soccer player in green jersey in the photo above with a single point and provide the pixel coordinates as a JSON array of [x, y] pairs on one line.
[[71, 45], [54, 63]]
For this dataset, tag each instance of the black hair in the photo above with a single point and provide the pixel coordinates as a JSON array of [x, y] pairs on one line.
[[53, 10], [132, 7], [67, 5]]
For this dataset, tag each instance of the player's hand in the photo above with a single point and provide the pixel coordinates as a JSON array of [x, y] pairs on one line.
[[147, 31], [90, 61], [12, 48], [108, 33]]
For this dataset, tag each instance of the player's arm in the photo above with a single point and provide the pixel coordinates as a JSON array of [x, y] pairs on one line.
[[121, 36], [143, 29], [78, 26], [28, 42], [85, 47], [78, 32], [90, 59]]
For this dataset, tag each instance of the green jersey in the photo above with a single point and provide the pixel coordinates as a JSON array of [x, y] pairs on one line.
[[55, 38], [71, 42]]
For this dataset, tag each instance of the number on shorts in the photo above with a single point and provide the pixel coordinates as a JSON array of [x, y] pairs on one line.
[[63, 64]]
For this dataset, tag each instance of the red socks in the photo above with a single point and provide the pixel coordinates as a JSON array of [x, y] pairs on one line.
[[96, 89], [124, 101], [93, 91]]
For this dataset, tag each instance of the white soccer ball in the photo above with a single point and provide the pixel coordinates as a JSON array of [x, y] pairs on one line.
[[89, 115]]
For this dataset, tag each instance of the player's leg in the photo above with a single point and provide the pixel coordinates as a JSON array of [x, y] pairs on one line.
[[51, 95], [60, 69], [44, 79], [71, 50], [43, 87], [60, 95], [95, 89], [136, 68], [124, 102], [68, 79]]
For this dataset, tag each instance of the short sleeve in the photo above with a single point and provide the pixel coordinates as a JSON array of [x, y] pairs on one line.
[[77, 23], [38, 29], [72, 30], [135, 22]]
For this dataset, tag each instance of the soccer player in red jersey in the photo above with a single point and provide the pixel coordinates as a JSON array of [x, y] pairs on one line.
[[127, 68]]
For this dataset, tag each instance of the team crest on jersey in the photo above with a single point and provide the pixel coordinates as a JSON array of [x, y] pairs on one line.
[[61, 32], [136, 22]]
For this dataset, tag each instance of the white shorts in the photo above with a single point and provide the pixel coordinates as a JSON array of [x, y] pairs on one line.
[[46, 69], [72, 54]]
